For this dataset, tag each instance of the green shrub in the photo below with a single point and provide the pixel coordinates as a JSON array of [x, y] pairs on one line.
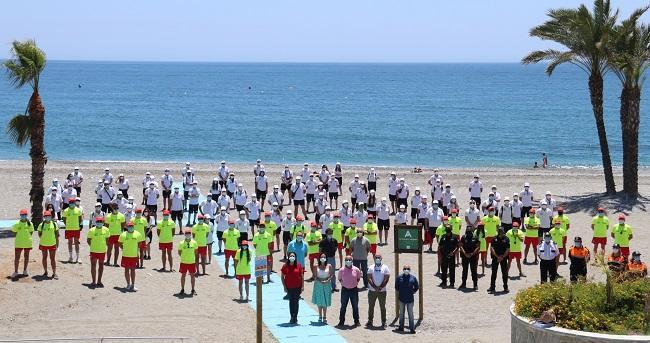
[[583, 306]]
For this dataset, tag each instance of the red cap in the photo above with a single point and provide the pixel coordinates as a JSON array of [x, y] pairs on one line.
[[532, 210], [47, 213], [370, 216], [515, 224], [313, 224], [200, 216], [353, 221], [622, 216], [165, 212], [561, 209], [337, 214], [491, 208], [99, 219], [129, 224], [601, 209], [73, 199], [244, 242], [231, 222], [23, 211], [138, 210], [267, 213], [480, 223], [299, 217], [445, 218], [454, 210]]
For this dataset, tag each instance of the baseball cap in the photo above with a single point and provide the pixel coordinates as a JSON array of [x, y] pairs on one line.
[[73, 199], [370, 216], [129, 224], [99, 219], [454, 210], [165, 212], [622, 216], [299, 217], [313, 224], [47, 213]]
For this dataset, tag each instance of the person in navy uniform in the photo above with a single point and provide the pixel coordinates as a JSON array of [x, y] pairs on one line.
[[469, 252], [499, 250]]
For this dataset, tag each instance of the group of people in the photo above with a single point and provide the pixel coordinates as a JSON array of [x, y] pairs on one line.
[[337, 238]]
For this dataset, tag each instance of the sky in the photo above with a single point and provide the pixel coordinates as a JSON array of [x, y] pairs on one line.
[[282, 30]]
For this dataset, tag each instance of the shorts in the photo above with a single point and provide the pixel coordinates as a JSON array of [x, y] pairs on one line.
[[166, 193], [202, 251], [371, 185], [230, 194], [531, 240], [142, 245], [254, 222], [243, 277], [278, 230], [113, 239], [230, 253], [339, 247], [392, 197], [129, 262], [488, 240], [187, 268], [44, 248], [165, 246], [383, 224], [422, 221], [414, 213], [194, 208], [562, 250], [177, 216], [513, 255], [239, 208], [286, 237], [98, 256], [152, 209], [334, 195], [340, 180], [625, 251], [373, 249], [271, 247], [483, 254], [348, 251], [220, 235], [70, 234], [260, 194], [284, 187], [542, 231], [314, 257], [310, 198], [402, 201], [298, 202], [599, 240]]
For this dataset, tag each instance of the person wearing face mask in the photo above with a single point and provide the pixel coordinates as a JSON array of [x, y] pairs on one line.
[[231, 238], [360, 215], [311, 186], [416, 201], [253, 210], [469, 251], [549, 201], [223, 200], [129, 242], [140, 224], [200, 232], [370, 231], [243, 269], [224, 174], [545, 215], [55, 199], [434, 219], [23, 229], [406, 285], [287, 226], [506, 214], [532, 224], [166, 181], [106, 194], [491, 222], [354, 186], [517, 206], [325, 220], [261, 187], [231, 188], [527, 198], [299, 246], [177, 201], [151, 195], [313, 237], [48, 233], [68, 193], [320, 205], [72, 219], [400, 218], [360, 247], [565, 224], [446, 197], [242, 224], [622, 234], [328, 246], [148, 179], [123, 185], [499, 250], [516, 237], [286, 183], [600, 225], [479, 233], [490, 202], [616, 261], [116, 223], [372, 179], [188, 181], [322, 293], [194, 193], [297, 227], [579, 256], [447, 248], [305, 172], [548, 253], [393, 185], [187, 251], [97, 238], [348, 236], [383, 221], [475, 189], [558, 234], [456, 225], [121, 202], [107, 176], [349, 277], [276, 198], [271, 226], [221, 220], [333, 189], [378, 275], [259, 167], [262, 241], [165, 232], [402, 193], [472, 215], [635, 267], [436, 193], [293, 282]]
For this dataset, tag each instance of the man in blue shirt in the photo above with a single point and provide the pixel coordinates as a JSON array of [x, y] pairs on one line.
[[299, 247], [406, 285]]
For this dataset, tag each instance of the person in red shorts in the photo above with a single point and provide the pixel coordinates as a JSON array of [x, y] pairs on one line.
[[201, 231], [24, 229], [187, 251], [49, 242], [531, 226], [243, 269], [313, 238], [129, 242], [72, 219], [262, 241], [97, 240], [231, 239], [165, 230]]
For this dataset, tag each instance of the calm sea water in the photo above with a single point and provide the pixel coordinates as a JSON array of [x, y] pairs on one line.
[[379, 114]]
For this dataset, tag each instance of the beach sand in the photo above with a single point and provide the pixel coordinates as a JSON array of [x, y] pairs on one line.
[[67, 308]]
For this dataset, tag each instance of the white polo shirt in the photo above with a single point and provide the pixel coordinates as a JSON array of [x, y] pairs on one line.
[[287, 177], [435, 217], [305, 174], [223, 201], [333, 185], [298, 190], [360, 217], [68, 193], [223, 172], [241, 197], [378, 273], [372, 176], [545, 217], [107, 195], [287, 223], [261, 182], [121, 204], [446, 198], [194, 194], [123, 185], [324, 176], [472, 215], [107, 177], [416, 200], [354, 185], [423, 210], [401, 218], [516, 208], [166, 181], [361, 196], [77, 177], [436, 192], [152, 196], [55, 200], [345, 216], [209, 206], [506, 214], [177, 201], [254, 208], [146, 180], [402, 191], [242, 225], [393, 184], [311, 185], [231, 185], [383, 212], [222, 222], [475, 189], [526, 198]]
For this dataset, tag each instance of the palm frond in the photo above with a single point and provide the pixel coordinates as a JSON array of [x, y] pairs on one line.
[[26, 64], [19, 129]]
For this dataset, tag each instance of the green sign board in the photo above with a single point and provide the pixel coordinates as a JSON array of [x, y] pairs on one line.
[[408, 239]]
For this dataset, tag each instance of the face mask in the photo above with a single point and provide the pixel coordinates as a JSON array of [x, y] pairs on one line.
[[359, 234], [621, 222], [99, 224], [166, 173], [242, 217], [548, 197], [378, 261], [188, 237], [72, 205], [47, 219], [636, 258], [547, 240], [406, 271], [292, 259], [491, 213], [615, 251], [260, 230], [472, 206], [600, 214], [245, 247], [578, 244], [165, 217], [23, 217], [130, 229], [323, 259], [348, 264], [329, 236], [515, 199], [299, 239]]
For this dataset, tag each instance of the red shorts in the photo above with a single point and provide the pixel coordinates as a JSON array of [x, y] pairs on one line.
[[483, 254], [243, 277], [514, 255], [272, 246], [202, 251], [564, 240], [42, 248], [340, 246], [562, 250], [531, 240], [373, 249], [230, 253], [314, 257], [599, 240], [69, 234], [625, 251], [142, 245], [129, 262], [348, 252], [98, 255], [187, 268], [165, 246], [113, 239], [18, 250], [488, 240]]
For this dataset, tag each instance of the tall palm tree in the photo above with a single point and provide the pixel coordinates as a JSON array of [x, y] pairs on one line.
[[584, 35], [24, 68], [630, 58]]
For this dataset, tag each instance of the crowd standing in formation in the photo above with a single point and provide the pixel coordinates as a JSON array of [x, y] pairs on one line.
[[312, 242]]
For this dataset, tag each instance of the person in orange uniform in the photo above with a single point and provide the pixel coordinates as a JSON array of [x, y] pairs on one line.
[[636, 267], [579, 256], [616, 261], [23, 229]]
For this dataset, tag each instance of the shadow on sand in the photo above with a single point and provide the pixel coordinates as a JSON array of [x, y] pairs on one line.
[[619, 202]]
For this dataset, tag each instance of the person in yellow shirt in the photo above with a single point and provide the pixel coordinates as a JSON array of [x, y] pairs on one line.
[[370, 230], [97, 239], [516, 237], [166, 240], [622, 234], [531, 225], [72, 219], [116, 223], [23, 243], [129, 242], [243, 269], [200, 231], [558, 234], [272, 228], [298, 227], [350, 234], [263, 241], [140, 224], [565, 225], [231, 239], [491, 224], [187, 251], [600, 225], [337, 232], [49, 242], [313, 238], [456, 225]]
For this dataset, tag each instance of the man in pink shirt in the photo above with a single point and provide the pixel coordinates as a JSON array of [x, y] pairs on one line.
[[349, 277]]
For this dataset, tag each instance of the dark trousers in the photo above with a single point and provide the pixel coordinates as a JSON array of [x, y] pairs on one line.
[[477, 200], [548, 268], [448, 268], [349, 295], [495, 269], [78, 189], [525, 211], [294, 298], [363, 265], [472, 262], [577, 271]]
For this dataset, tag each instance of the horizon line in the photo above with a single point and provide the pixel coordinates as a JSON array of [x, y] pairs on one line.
[[278, 62]]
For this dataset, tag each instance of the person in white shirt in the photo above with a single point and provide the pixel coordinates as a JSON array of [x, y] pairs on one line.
[[354, 185], [434, 219], [506, 214], [253, 211], [472, 215], [345, 213], [453, 204], [193, 192], [324, 177], [223, 200], [545, 215], [393, 184], [223, 173], [548, 252], [261, 187], [151, 195], [372, 179], [436, 176], [221, 220], [362, 193], [333, 191], [215, 189], [446, 196], [240, 197], [122, 185], [286, 182], [97, 213], [311, 189], [56, 200], [121, 202], [231, 187], [422, 212], [360, 215], [371, 204], [243, 226], [517, 209], [320, 205], [107, 195], [276, 217], [107, 177], [145, 184], [209, 207], [305, 173], [497, 197], [549, 201], [436, 192], [177, 202], [188, 180], [416, 200], [383, 220], [475, 189], [402, 193], [297, 193], [489, 202], [185, 169], [287, 223], [338, 175], [401, 216], [77, 178], [276, 197], [129, 213], [325, 220], [526, 197], [68, 192], [166, 181], [56, 185], [378, 276], [258, 168]]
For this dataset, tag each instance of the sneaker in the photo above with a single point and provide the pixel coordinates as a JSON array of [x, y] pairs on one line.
[[399, 329], [92, 285], [357, 323], [412, 332], [442, 285], [490, 290], [193, 292], [462, 286], [70, 259], [369, 324], [341, 324], [182, 292], [25, 274], [100, 285], [14, 275], [383, 325], [128, 287], [505, 289], [133, 288]]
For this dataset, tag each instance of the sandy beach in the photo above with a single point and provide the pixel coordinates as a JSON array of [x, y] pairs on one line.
[[35, 308]]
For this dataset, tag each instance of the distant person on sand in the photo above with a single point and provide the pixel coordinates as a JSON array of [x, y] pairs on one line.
[[231, 238], [55, 199], [261, 187], [600, 226], [116, 223], [354, 185], [579, 256], [200, 232], [123, 185], [78, 179], [526, 196], [72, 219], [23, 229], [297, 193], [338, 175], [393, 184], [176, 207], [499, 250], [224, 173], [97, 238], [349, 277], [475, 189], [166, 181], [544, 160], [166, 230], [146, 181], [287, 181], [187, 251]]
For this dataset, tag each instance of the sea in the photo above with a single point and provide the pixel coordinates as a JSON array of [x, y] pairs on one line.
[[445, 115]]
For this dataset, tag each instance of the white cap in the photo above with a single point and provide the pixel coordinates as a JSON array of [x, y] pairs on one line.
[[106, 169], [258, 160], [129, 207], [506, 199], [222, 190], [195, 182], [526, 184], [166, 169], [417, 188], [548, 193], [402, 206], [298, 178], [223, 208], [147, 173], [515, 194], [223, 162], [120, 175], [392, 173], [276, 187], [240, 185], [187, 163], [345, 202], [447, 185], [425, 197], [98, 204], [372, 169], [131, 197], [55, 179], [306, 164], [372, 191], [494, 186], [435, 170], [356, 175], [401, 179], [477, 176], [207, 216], [119, 192], [76, 168], [275, 203], [328, 208], [338, 163], [242, 212], [289, 212], [383, 199]]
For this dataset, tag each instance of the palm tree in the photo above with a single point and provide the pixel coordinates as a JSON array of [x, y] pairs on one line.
[[584, 35], [24, 68], [630, 58]]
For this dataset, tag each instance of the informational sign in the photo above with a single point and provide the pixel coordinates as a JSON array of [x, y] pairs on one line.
[[260, 266], [408, 239]]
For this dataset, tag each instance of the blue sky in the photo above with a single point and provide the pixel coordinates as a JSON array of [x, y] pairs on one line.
[[282, 30]]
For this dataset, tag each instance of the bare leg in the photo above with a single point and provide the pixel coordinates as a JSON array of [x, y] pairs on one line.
[[26, 261]]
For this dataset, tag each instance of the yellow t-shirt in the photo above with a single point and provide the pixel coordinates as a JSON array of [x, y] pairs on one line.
[[350, 233], [297, 228], [456, 224], [23, 231], [262, 241], [200, 232], [130, 242], [532, 226], [515, 240], [140, 224], [564, 221], [270, 227], [491, 225], [114, 222], [98, 239], [188, 251], [48, 233], [71, 216], [313, 239], [166, 228], [371, 232], [622, 234], [557, 235], [231, 236], [601, 225], [243, 263], [337, 231]]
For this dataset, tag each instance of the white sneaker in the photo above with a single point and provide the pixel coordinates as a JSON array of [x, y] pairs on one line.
[[133, 289], [14, 275], [25, 274]]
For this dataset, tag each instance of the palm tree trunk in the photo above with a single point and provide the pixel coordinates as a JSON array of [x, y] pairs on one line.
[[596, 93], [37, 153], [630, 121]]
